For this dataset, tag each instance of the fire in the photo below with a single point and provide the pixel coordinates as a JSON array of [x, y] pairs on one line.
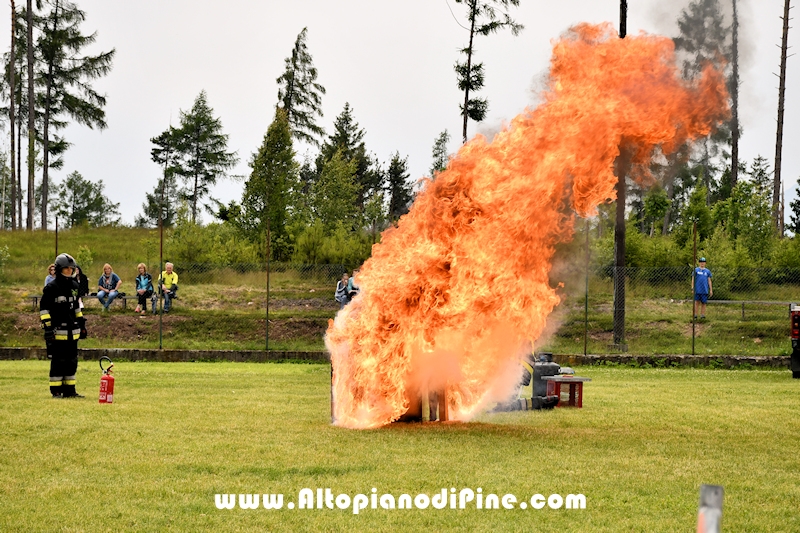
[[453, 295]]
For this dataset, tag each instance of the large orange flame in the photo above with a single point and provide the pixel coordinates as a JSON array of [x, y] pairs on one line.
[[453, 294]]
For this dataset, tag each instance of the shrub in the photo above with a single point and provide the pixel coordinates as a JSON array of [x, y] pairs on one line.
[[84, 257]]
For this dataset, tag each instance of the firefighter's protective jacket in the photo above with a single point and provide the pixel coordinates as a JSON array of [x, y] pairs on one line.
[[59, 309]]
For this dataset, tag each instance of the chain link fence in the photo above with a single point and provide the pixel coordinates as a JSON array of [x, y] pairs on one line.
[[227, 307]]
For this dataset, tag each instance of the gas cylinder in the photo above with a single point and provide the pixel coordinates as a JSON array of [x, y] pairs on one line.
[[106, 382]]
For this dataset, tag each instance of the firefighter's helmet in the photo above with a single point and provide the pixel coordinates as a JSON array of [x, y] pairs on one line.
[[64, 261]]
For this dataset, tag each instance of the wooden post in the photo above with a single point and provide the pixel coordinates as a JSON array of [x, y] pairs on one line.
[[694, 266], [709, 518], [585, 300], [333, 405], [444, 412], [426, 405]]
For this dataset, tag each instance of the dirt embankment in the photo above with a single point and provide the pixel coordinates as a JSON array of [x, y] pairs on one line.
[[130, 327]]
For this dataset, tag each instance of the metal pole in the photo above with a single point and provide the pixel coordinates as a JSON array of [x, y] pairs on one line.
[[267, 321], [586, 296], [694, 263], [57, 236], [709, 517], [161, 256]]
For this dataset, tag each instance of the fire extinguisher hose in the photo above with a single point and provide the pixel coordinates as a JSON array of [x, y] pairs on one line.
[[106, 370]]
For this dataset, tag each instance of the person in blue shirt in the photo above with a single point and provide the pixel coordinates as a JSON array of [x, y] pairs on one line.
[[701, 285], [51, 274], [108, 287]]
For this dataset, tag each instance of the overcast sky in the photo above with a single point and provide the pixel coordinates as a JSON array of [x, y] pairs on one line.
[[392, 61]]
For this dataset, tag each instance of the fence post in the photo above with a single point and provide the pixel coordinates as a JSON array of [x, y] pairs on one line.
[[694, 265], [586, 296], [266, 322], [709, 517]]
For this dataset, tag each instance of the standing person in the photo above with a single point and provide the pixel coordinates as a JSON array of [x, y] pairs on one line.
[[51, 274], [144, 288], [83, 285], [168, 286], [341, 291], [63, 324], [108, 286], [352, 288], [702, 287]]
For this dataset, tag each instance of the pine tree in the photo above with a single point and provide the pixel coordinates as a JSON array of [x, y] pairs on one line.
[[485, 17], [761, 175], [794, 215], [400, 194], [80, 201], [31, 115], [440, 155], [169, 208], [12, 62], [300, 95], [335, 192], [201, 151], [65, 76], [266, 193], [705, 39], [348, 140], [166, 196]]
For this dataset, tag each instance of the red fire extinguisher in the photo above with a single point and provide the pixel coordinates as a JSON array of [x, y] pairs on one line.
[[106, 382]]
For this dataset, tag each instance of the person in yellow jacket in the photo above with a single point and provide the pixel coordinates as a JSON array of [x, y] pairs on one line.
[[168, 286], [63, 324]]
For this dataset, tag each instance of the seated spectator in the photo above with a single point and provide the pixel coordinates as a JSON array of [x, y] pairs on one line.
[[341, 291], [83, 285], [352, 288], [168, 286], [51, 274], [144, 288], [108, 287]]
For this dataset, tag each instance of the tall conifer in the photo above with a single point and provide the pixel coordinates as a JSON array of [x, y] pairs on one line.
[[265, 199], [300, 95], [201, 151], [484, 17]]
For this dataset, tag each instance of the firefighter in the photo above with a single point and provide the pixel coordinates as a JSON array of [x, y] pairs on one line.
[[63, 324]]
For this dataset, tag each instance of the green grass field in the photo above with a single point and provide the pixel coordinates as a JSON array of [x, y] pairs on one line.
[[177, 434]]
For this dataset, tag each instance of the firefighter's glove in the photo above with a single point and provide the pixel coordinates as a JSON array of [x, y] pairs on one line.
[[49, 335], [83, 333]]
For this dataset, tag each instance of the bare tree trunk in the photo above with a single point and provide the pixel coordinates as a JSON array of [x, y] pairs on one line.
[[472, 16], [706, 178], [11, 118], [622, 167], [735, 101], [776, 189], [46, 126], [669, 187], [31, 121], [19, 168]]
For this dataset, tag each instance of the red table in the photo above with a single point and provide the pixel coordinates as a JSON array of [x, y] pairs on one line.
[[575, 389]]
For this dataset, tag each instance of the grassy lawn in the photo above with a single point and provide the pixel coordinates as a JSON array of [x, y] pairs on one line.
[[225, 309], [178, 434], [663, 326]]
